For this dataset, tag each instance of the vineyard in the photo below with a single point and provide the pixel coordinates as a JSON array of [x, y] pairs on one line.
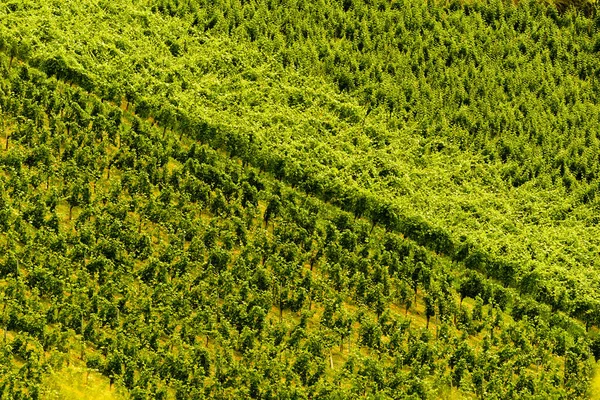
[[299, 200]]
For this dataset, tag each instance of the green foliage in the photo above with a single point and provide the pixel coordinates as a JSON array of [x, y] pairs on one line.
[[218, 197], [382, 107]]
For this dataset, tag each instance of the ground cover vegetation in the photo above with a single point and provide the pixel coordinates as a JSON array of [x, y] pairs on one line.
[[210, 200]]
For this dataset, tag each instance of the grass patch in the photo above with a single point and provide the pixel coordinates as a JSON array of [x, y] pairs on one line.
[[76, 383], [595, 384]]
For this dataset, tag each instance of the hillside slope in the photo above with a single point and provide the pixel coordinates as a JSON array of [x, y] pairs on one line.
[[471, 129], [176, 271], [195, 203]]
